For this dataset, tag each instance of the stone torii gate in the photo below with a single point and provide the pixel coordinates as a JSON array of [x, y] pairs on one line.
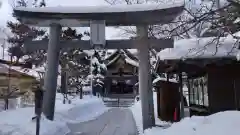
[[97, 17]]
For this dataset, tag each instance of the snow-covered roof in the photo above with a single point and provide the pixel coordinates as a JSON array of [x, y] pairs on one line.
[[31, 72], [124, 55], [81, 16], [110, 53], [131, 62], [129, 52], [163, 79], [103, 9], [4, 69], [202, 48], [127, 60]]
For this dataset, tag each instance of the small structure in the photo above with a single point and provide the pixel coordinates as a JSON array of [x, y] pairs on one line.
[[17, 83], [212, 71], [122, 72], [168, 98]]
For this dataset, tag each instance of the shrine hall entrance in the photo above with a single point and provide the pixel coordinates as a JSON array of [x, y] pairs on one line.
[[122, 71], [121, 87]]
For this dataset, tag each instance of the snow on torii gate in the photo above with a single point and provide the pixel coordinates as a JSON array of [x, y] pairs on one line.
[[98, 17]]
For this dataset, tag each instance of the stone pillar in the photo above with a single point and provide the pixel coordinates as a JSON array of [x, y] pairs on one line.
[[145, 81], [50, 80]]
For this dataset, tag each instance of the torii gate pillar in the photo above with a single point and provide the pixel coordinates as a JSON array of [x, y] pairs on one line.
[[145, 80], [50, 80]]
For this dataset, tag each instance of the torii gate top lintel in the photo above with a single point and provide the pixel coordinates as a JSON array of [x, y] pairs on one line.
[[114, 15]]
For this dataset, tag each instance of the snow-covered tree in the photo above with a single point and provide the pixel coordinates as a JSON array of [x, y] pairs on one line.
[[77, 61], [98, 68]]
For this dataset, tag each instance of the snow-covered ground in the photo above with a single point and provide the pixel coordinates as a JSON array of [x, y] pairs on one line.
[[19, 121], [137, 113], [222, 123]]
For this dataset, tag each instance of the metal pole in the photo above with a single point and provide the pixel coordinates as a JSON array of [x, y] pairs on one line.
[[50, 80], [145, 81], [38, 125], [91, 72], [181, 96]]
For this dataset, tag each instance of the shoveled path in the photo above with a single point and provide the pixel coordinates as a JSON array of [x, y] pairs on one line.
[[117, 121]]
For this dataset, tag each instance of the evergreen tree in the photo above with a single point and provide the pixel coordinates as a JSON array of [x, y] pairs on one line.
[[76, 59], [21, 33]]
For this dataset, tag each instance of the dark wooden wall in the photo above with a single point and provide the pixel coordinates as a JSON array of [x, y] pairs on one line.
[[168, 100], [223, 88]]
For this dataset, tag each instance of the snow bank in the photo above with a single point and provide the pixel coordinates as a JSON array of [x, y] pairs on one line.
[[80, 110], [137, 113], [19, 121], [222, 123]]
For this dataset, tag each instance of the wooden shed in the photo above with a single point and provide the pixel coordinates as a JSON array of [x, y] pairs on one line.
[[217, 89], [167, 99], [212, 72]]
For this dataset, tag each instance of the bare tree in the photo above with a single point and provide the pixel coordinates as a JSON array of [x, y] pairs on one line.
[[212, 18]]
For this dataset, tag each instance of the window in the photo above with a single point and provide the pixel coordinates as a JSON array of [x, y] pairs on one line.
[[198, 91]]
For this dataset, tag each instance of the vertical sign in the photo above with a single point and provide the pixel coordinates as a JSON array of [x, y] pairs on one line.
[[97, 33]]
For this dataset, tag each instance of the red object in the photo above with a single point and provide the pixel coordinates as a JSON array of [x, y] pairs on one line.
[[175, 115]]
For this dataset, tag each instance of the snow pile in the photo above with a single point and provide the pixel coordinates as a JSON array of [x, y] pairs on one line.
[[137, 113], [201, 48], [19, 121], [80, 110], [222, 123]]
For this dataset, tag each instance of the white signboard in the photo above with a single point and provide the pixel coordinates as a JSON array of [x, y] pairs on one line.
[[97, 33]]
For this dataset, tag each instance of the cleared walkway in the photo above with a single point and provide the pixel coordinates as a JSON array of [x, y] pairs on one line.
[[117, 121]]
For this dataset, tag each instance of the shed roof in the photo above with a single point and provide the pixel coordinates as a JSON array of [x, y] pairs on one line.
[[200, 48], [4, 70]]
